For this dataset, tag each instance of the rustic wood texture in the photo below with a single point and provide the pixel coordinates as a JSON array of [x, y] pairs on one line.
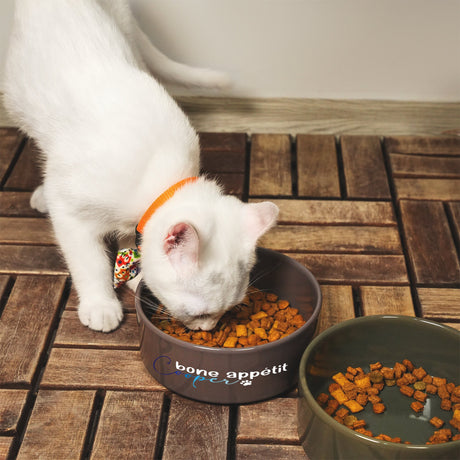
[[270, 170], [392, 300], [25, 325], [26, 231], [5, 446], [11, 406], [37, 260], [432, 145], [333, 239], [355, 268], [433, 303], [71, 333], [203, 426], [261, 422], [431, 248], [319, 212], [10, 141], [69, 392], [138, 414], [75, 368], [424, 166], [337, 306], [57, 426], [364, 167], [26, 175], [262, 451], [17, 204], [317, 169]]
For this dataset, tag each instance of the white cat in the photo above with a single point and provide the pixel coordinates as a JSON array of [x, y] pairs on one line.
[[113, 140]]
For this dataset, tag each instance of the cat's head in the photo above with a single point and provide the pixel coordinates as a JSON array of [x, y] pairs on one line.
[[199, 267]]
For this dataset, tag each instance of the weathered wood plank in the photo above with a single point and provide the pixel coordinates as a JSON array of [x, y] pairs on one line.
[[26, 230], [75, 368], [431, 249], [440, 304], [270, 170], [337, 306], [269, 452], [25, 325], [453, 325], [333, 239], [424, 166], [223, 142], [355, 268], [26, 174], [223, 152], [128, 425], [4, 280], [232, 183], [317, 168], [391, 300], [455, 213], [72, 333], [426, 145], [365, 174], [428, 189], [39, 260], [17, 204], [323, 212], [196, 430], [57, 426], [260, 423], [11, 405], [5, 446], [10, 140]]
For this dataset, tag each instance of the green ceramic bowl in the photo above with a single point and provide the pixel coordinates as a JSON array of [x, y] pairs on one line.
[[359, 342]]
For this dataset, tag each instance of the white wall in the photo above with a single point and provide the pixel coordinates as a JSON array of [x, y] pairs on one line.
[[368, 49]]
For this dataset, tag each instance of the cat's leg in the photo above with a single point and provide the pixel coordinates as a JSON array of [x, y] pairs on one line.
[[91, 269], [38, 200], [171, 71]]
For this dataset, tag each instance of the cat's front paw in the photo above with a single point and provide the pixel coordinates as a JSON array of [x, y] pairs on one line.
[[101, 316]]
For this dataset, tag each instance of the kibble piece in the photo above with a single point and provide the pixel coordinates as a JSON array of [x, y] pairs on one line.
[[439, 381], [432, 389], [421, 386], [375, 366], [353, 405], [337, 393], [322, 399], [383, 437], [359, 424], [342, 412], [417, 406], [407, 390], [376, 376], [443, 393], [363, 381], [419, 373], [420, 396], [388, 373], [399, 370], [362, 399], [390, 382], [230, 342], [349, 420], [378, 408], [446, 404], [437, 422], [352, 370]]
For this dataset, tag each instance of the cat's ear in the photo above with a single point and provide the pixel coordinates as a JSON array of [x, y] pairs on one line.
[[181, 245], [258, 218]]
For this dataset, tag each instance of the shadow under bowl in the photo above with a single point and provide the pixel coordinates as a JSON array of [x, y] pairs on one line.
[[359, 342], [236, 375]]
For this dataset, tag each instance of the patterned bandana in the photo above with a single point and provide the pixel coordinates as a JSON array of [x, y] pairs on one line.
[[127, 264]]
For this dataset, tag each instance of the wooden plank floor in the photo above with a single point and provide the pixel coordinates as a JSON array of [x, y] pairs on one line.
[[377, 220]]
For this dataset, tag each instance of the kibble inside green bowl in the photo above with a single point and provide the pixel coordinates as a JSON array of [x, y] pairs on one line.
[[360, 342]]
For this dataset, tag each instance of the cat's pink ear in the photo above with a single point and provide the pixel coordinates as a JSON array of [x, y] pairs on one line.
[[260, 217], [181, 245]]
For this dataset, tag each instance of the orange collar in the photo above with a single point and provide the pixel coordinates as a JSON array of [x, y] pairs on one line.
[[160, 201]]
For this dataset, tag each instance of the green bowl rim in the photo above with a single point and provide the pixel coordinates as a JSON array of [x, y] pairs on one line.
[[316, 408]]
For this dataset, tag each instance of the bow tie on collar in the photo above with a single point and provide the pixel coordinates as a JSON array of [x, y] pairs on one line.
[[127, 263]]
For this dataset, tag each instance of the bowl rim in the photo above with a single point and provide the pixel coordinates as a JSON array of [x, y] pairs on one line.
[[318, 411], [227, 351]]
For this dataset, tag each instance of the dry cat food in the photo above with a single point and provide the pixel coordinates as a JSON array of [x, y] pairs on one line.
[[354, 389], [261, 318]]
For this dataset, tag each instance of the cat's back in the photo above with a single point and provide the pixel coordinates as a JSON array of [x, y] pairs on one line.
[[61, 54]]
